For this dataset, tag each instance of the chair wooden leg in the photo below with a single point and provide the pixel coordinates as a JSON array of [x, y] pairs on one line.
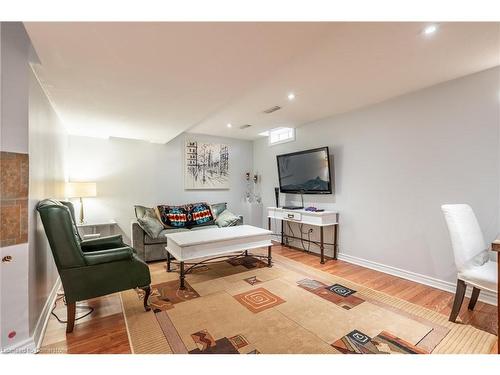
[[459, 298], [473, 298], [71, 312], [147, 293]]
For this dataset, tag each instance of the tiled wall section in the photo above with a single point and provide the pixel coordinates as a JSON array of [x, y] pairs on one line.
[[14, 182]]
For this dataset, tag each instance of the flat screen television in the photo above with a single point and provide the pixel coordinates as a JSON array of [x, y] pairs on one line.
[[305, 172]]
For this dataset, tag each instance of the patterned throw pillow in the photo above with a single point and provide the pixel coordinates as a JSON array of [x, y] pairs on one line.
[[199, 214], [173, 216]]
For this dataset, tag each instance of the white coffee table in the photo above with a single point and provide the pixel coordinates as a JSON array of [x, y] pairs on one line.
[[215, 243]]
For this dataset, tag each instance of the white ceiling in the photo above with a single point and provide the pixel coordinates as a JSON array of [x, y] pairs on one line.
[[153, 81]]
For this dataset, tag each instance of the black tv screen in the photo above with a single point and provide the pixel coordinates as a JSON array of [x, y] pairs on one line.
[[306, 172]]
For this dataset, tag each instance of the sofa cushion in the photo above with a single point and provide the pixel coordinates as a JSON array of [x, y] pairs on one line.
[[227, 219], [161, 237], [201, 227], [218, 208], [148, 221], [173, 216], [199, 214]]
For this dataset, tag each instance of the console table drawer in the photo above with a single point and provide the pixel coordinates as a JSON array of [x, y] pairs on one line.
[[290, 215]]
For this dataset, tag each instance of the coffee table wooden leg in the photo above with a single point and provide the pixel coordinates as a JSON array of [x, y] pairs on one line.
[[168, 262], [269, 257], [182, 276]]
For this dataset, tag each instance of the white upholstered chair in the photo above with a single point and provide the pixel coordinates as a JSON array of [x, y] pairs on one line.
[[471, 255]]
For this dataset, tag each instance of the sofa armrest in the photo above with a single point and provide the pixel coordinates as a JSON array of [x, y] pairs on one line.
[[108, 256], [138, 240], [102, 243]]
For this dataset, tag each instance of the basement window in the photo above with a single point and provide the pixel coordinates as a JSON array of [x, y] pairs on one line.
[[281, 135]]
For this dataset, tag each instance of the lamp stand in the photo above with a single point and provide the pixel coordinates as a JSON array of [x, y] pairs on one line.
[[82, 220]]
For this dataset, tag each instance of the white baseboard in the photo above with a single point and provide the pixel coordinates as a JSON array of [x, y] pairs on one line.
[[32, 344], [43, 320], [485, 296], [24, 347]]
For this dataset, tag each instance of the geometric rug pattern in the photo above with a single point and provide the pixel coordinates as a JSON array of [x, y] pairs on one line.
[[338, 294], [206, 344], [257, 300], [356, 342], [244, 307]]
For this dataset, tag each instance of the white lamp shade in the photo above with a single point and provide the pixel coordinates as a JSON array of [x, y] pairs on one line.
[[81, 189]]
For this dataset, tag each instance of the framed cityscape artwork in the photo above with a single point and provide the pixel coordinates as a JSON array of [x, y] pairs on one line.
[[206, 165]]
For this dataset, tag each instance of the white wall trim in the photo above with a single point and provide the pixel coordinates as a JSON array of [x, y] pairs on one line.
[[485, 296], [43, 320]]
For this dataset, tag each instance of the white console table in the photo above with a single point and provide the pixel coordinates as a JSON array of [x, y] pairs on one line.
[[320, 219]]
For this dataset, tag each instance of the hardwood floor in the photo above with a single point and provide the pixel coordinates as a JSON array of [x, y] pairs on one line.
[[104, 330]]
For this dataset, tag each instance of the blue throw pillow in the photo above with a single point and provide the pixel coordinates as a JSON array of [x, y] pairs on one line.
[[199, 214], [173, 216]]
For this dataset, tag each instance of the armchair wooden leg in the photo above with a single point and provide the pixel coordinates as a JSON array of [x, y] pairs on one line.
[[474, 297], [459, 298], [71, 312], [147, 293]]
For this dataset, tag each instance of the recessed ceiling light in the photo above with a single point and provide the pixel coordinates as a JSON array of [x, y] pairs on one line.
[[431, 29], [291, 96], [229, 125]]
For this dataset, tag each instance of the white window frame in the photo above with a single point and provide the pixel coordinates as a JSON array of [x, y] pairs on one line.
[[290, 137]]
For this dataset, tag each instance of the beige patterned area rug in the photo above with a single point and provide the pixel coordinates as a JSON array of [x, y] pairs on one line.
[[244, 307]]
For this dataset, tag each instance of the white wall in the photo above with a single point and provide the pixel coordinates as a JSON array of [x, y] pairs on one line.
[[47, 152], [130, 172], [29, 125], [397, 162], [14, 85], [14, 53]]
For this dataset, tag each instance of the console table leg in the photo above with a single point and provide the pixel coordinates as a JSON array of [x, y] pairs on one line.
[[282, 233], [182, 276], [335, 246], [269, 257], [322, 246], [168, 262]]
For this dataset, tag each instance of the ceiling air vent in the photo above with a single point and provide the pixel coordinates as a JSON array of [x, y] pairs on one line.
[[272, 109], [246, 126]]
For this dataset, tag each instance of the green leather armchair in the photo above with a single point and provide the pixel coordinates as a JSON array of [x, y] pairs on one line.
[[89, 268]]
